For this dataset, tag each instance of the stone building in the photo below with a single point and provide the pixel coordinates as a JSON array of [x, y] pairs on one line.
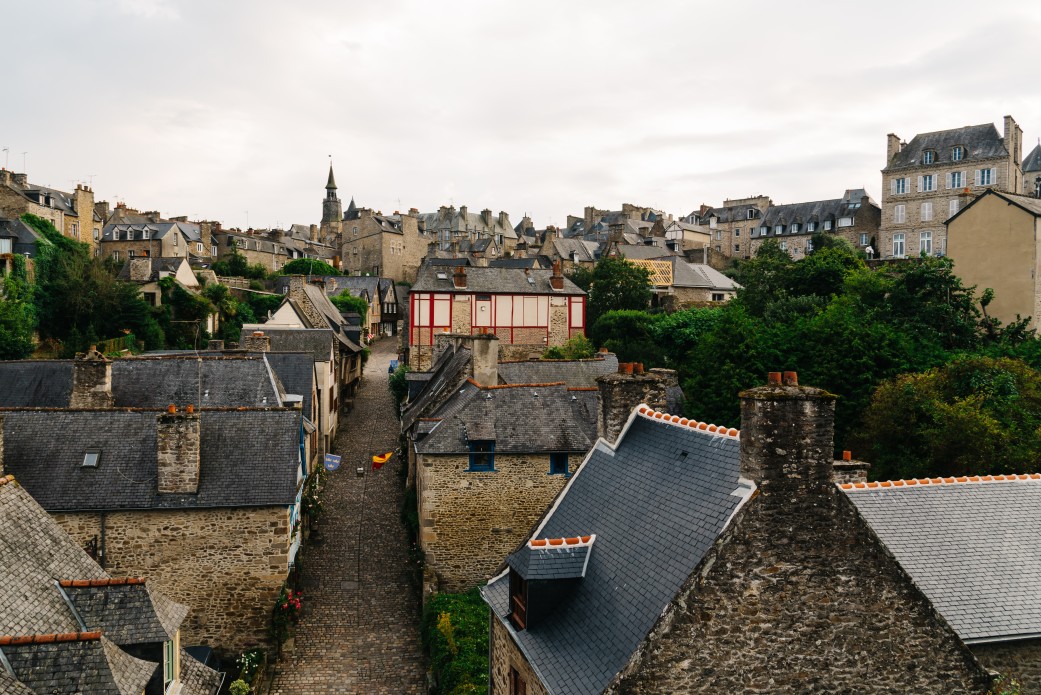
[[331, 229], [528, 310], [64, 620], [678, 284], [927, 180], [388, 246], [259, 248], [853, 217], [1032, 172], [572, 252], [730, 226], [995, 242], [163, 239], [449, 225], [71, 213], [754, 573]]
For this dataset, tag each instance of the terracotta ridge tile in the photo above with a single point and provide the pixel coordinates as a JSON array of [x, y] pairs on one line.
[[565, 542], [949, 480], [6, 479], [515, 386], [652, 414], [49, 638], [108, 581]]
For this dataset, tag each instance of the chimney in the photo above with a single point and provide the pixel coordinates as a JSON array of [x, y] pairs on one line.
[[206, 236], [462, 213], [892, 147], [314, 233], [459, 278], [91, 381], [556, 281], [618, 394], [847, 470], [486, 359], [787, 434], [486, 217], [5, 177], [258, 342], [504, 219], [21, 180], [177, 451], [215, 345]]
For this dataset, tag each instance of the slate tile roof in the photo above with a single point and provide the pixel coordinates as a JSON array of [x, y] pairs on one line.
[[208, 382], [972, 545], [127, 613], [520, 419], [92, 664], [492, 281], [317, 341], [296, 372], [803, 213], [248, 458], [197, 679], [156, 230], [644, 252], [656, 502], [552, 558], [532, 262], [574, 373], [700, 275], [1032, 162], [35, 383], [446, 374], [980, 142]]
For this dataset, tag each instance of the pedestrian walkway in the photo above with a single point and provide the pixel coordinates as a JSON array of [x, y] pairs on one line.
[[360, 628]]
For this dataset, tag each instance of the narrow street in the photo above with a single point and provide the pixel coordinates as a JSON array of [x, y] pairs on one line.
[[360, 629]]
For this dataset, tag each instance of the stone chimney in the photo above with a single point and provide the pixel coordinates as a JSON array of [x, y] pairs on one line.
[[504, 219], [459, 278], [846, 470], [177, 451], [91, 381], [787, 435], [485, 348], [258, 342], [313, 229], [5, 177], [556, 281], [206, 237], [892, 147], [140, 269], [21, 180], [486, 217], [218, 345], [617, 395], [462, 213]]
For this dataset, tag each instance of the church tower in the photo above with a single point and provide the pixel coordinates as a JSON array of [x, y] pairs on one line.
[[332, 212]]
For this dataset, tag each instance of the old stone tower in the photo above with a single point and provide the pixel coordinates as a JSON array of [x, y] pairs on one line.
[[332, 213]]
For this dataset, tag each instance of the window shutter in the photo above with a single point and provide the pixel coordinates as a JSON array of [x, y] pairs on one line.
[[965, 179], [892, 186], [920, 184], [948, 180], [993, 177], [976, 181]]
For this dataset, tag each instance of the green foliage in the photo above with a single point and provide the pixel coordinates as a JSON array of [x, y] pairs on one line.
[[235, 265], [1004, 685], [398, 383], [251, 665], [239, 687], [613, 284], [308, 266], [629, 334], [575, 348], [78, 299], [183, 315], [455, 634], [285, 614], [17, 313], [348, 302]]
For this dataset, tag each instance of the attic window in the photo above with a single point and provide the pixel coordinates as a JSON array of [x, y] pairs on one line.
[[482, 455], [442, 276], [957, 153], [518, 600], [91, 458], [928, 157], [531, 280], [751, 214]]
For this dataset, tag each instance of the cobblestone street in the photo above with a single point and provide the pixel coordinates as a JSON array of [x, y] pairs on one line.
[[360, 629]]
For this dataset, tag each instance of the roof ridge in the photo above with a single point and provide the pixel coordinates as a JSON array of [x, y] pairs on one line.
[[951, 480], [514, 386], [570, 542], [49, 638], [652, 414], [108, 581], [6, 479]]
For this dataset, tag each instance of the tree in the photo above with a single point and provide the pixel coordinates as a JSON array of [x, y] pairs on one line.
[[629, 334], [613, 284], [575, 348], [308, 266], [236, 265], [347, 302], [17, 314]]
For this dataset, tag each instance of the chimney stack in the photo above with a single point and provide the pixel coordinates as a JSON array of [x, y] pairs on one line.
[[892, 147], [618, 394], [787, 434], [486, 359], [556, 281], [215, 345], [91, 381], [459, 278], [258, 342], [177, 451]]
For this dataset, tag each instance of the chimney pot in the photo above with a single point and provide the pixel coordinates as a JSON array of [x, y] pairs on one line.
[[189, 409], [791, 379], [171, 408], [847, 455], [258, 334], [773, 378]]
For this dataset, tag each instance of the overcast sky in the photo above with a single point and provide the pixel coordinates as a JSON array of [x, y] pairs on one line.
[[213, 108]]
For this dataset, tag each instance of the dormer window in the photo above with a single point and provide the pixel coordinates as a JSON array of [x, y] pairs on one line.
[[811, 226], [145, 234], [518, 600], [928, 157], [794, 228], [957, 153], [482, 455], [827, 225], [751, 214], [778, 229]]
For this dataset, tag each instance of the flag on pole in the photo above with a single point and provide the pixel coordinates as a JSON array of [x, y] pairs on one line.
[[378, 461]]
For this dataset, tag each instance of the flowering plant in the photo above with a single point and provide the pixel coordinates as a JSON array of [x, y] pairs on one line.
[[286, 613]]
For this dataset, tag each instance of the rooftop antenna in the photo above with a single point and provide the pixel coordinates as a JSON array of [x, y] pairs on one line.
[[90, 178], [7, 156], [247, 219]]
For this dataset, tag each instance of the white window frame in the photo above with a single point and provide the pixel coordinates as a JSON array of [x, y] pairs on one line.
[[863, 239], [900, 186], [985, 177], [811, 226], [719, 234], [951, 183], [827, 225], [899, 214], [927, 183], [899, 247], [953, 205], [928, 157], [927, 212], [925, 243], [778, 229], [957, 153]]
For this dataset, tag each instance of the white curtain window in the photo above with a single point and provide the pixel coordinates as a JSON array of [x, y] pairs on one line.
[[925, 242], [898, 245], [952, 207]]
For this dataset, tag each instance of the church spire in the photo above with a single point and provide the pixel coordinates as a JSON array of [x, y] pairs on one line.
[[332, 181]]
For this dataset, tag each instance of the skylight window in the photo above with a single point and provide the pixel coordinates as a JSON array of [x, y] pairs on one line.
[[442, 276], [91, 458]]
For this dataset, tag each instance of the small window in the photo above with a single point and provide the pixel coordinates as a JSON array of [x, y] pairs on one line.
[[115, 255], [558, 464], [719, 234], [794, 228], [784, 245], [198, 247], [925, 243], [517, 684], [928, 157], [984, 177], [712, 223], [355, 231], [957, 153], [213, 250], [737, 247], [928, 183], [717, 297], [6, 246], [827, 225], [900, 186], [811, 226], [899, 214], [131, 253], [91, 458], [482, 455], [751, 214], [955, 180], [737, 232], [168, 663], [898, 246], [863, 239], [97, 234], [144, 235], [778, 229]]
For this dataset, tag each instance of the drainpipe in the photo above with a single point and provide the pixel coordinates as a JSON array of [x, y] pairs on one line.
[[102, 555]]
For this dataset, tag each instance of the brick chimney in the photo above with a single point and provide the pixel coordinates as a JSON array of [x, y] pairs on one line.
[[486, 359], [556, 281], [177, 451], [787, 434], [459, 278], [617, 395], [91, 381], [892, 147], [258, 342]]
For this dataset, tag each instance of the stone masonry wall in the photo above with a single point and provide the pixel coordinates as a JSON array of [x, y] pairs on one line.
[[91, 384], [227, 565], [177, 452], [1020, 660], [506, 655], [470, 521], [620, 393]]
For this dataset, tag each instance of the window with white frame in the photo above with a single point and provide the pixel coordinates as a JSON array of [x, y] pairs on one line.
[[115, 255], [750, 215], [863, 239], [984, 177], [899, 214], [719, 234], [712, 223], [926, 183], [900, 186], [778, 229], [955, 179], [952, 207], [198, 247], [811, 226], [957, 152], [6, 245], [925, 242], [928, 157], [784, 245], [845, 222], [97, 234], [794, 228], [927, 212], [827, 225], [737, 232], [898, 245], [764, 230]]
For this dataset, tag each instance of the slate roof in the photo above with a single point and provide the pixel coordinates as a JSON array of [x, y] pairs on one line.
[[159, 265], [156, 230], [127, 613], [577, 250], [656, 502], [209, 382], [575, 373], [96, 666], [197, 679], [973, 548], [1032, 162], [35, 383], [520, 419], [551, 561], [296, 372], [700, 275], [980, 142], [492, 281], [446, 374], [532, 262], [317, 341], [645, 252], [248, 458], [802, 213]]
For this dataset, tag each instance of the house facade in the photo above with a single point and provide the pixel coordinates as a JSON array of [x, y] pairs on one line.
[[730, 225], [854, 217], [388, 246], [927, 180], [71, 213], [448, 226]]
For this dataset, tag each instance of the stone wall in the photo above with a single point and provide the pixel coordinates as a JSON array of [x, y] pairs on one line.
[[296, 292], [620, 393], [504, 656], [470, 521], [91, 382], [14, 204], [177, 453], [227, 565], [1020, 660]]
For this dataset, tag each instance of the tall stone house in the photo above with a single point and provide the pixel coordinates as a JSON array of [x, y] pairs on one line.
[[527, 310], [383, 245], [448, 226], [64, 620], [854, 217], [162, 239], [71, 213], [755, 571], [185, 470], [927, 180], [730, 225]]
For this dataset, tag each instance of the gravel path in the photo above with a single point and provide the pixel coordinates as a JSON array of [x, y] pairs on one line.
[[360, 629]]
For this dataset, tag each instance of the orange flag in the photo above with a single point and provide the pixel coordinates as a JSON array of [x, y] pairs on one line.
[[378, 461]]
